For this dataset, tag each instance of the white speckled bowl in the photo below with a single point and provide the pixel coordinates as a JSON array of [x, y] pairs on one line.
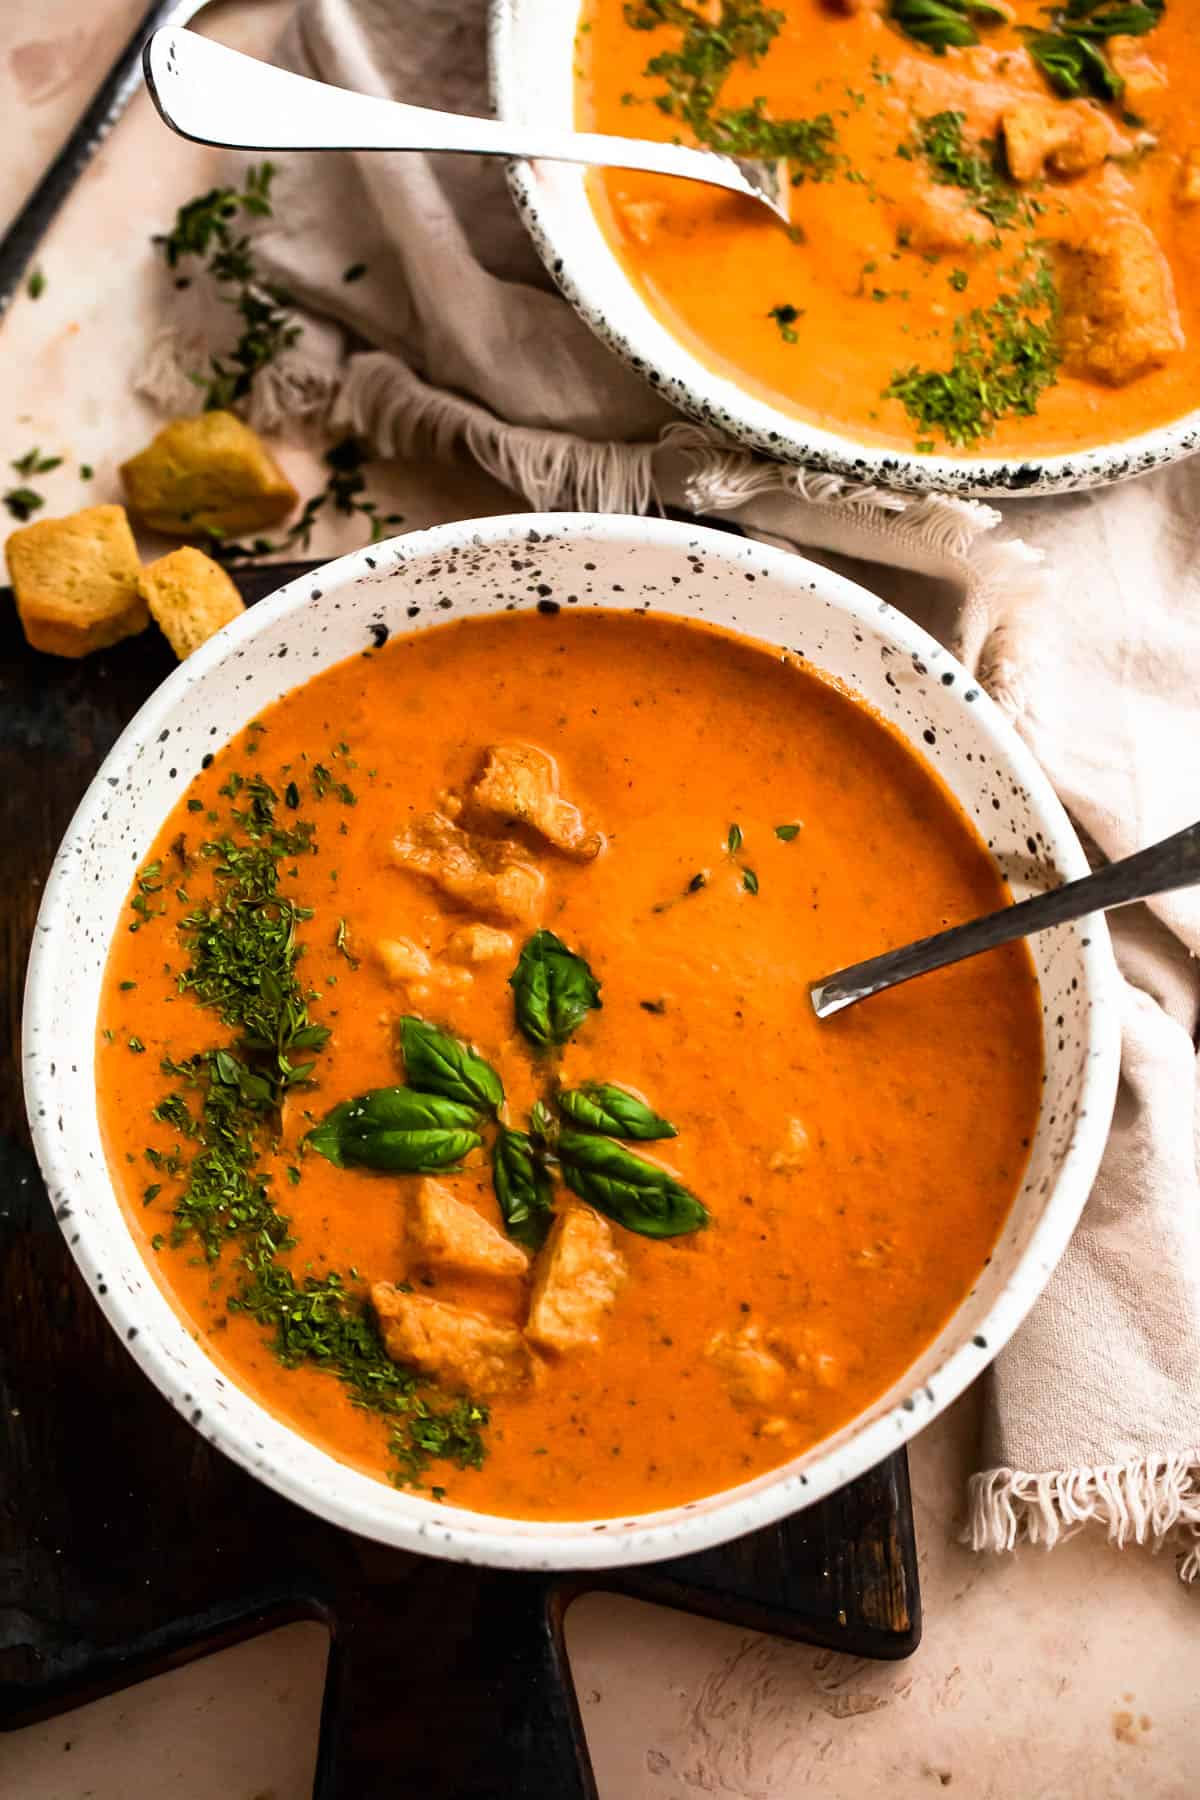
[[482, 567], [532, 83]]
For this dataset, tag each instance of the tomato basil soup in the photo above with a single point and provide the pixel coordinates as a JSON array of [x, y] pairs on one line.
[[993, 245], [458, 1077]]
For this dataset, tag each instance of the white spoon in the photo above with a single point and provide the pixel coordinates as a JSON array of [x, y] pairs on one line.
[[218, 96]]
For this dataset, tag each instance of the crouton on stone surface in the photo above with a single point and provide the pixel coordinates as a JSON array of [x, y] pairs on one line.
[[76, 581], [190, 597], [483, 875], [579, 1273], [446, 1233], [1118, 306], [207, 474], [464, 1349], [519, 785]]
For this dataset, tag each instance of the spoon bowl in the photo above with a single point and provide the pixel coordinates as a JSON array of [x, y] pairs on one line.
[[1172, 863]]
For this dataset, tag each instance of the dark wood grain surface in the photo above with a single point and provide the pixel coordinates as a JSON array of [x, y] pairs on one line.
[[129, 1545]]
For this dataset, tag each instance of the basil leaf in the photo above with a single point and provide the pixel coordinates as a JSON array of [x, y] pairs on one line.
[[436, 1063], [937, 24], [523, 1188], [554, 990], [397, 1129], [642, 1196], [543, 1124], [1095, 18], [600, 1106], [1073, 66]]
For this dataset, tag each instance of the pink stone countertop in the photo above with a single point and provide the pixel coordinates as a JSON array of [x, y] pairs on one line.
[[1063, 1677]]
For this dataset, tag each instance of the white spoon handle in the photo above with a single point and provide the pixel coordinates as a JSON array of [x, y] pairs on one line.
[[218, 96]]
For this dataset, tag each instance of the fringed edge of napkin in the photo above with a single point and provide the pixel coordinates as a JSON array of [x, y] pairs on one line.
[[1154, 1500], [378, 397], [385, 402]]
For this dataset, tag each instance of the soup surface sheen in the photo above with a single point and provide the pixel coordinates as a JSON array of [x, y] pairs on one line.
[[856, 1172], [981, 264]]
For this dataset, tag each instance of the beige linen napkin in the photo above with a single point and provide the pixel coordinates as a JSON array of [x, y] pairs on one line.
[[1081, 615]]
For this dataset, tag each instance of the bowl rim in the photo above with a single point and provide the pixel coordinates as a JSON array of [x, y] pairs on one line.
[[715, 399], [367, 1506]]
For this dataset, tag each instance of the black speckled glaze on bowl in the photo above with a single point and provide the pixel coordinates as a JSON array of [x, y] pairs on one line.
[[530, 43], [555, 564]]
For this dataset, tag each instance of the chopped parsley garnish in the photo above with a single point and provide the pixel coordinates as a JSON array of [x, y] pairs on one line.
[[695, 72], [785, 317], [35, 287], [34, 463], [1004, 360], [787, 832], [318, 1323], [244, 967], [23, 502], [975, 168]]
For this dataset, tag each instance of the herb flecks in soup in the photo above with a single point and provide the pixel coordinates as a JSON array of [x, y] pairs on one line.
[[993, 241], [458, 1075]]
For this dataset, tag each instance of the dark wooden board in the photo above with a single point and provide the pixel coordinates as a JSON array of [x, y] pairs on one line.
[[128, 1545]]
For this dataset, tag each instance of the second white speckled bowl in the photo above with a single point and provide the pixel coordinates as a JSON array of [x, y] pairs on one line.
[[532, 58]]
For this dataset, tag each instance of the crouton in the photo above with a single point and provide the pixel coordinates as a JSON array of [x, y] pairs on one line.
[[76, 581], [464, 1349], [478, 944], [1143, 77], [792, 1153], [446, 1233], [933, 219], [519, 786], [579, 1273], [1187, 187], [483, 875], [207, 474], [408, 966], [1068, 138], [190, 597], [404, 961], [640, 218], [1118, 306], [754, 1375]]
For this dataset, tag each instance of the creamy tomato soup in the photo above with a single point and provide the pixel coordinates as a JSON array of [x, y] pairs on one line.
[[458, 1077], [994, 247]]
